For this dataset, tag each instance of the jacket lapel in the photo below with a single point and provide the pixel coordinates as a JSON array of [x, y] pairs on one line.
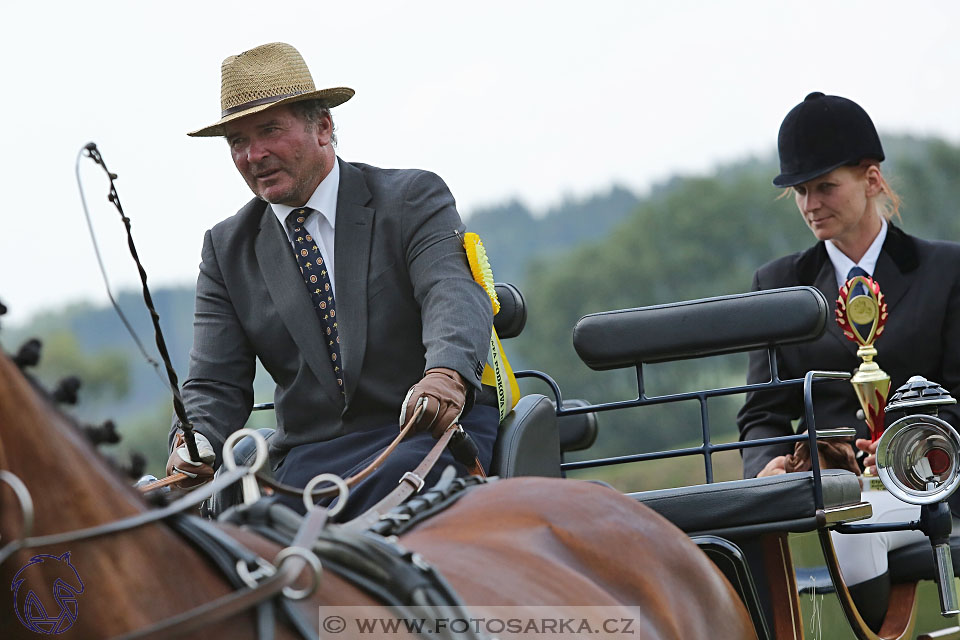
[[292, 301], [826, 282], [352, 252], [894, 273], [896, 265]]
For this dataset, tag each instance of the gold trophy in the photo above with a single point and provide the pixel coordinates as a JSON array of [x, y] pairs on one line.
[[862, 314]]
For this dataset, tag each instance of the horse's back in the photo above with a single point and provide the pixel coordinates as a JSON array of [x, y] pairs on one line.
[[541, 543]]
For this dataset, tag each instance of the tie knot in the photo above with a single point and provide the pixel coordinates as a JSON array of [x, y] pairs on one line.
[[297, 217], [857, 271]]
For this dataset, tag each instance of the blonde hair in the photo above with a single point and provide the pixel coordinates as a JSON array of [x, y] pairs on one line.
[[890, 205], [891, 201]]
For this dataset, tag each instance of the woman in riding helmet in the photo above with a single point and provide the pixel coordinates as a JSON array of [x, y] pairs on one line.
[[830, 157]]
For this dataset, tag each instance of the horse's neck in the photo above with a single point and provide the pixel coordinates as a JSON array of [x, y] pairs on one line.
[[70, 483], [140, 576]]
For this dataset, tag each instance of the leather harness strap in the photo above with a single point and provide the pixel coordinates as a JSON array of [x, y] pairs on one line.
[[192, 499], [327, 492], [294, 558], [239, 601], [403, 518], [410, 483], [229, 605]]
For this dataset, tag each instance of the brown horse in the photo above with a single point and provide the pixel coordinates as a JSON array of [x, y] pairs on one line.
[[551, 544]]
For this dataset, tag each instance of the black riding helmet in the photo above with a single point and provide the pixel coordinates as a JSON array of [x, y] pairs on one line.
[[823, 133]]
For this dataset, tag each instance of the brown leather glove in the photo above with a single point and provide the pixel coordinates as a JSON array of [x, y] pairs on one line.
[[179, 461], [834, 454], [445, 394]]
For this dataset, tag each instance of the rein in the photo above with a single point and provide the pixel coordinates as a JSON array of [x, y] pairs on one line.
[[264, 580], [327, 492], [277, 578], [416, 476], [192, 499]]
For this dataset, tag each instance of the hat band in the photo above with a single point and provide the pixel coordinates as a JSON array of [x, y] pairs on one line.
[[257, 103]]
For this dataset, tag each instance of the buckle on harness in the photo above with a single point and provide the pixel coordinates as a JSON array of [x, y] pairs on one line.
[[413, 479], [252, 577]]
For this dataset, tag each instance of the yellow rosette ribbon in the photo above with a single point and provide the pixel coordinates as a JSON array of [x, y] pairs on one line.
[[497, 372]]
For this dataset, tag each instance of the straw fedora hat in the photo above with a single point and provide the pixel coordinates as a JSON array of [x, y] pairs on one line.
[[263, 77]]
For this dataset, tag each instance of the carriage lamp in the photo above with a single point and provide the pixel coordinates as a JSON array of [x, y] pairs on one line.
[[918, 458]]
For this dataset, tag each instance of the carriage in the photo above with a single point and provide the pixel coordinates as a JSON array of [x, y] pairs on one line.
[[476, 545]]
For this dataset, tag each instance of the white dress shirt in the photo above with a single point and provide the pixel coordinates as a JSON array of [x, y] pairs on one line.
[[321, 226], [842, 264]]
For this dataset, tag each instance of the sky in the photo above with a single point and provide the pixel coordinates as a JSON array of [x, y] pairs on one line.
[[532, 100]]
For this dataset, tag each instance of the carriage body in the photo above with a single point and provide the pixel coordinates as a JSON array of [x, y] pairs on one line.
[[756, 531], [770, 535]]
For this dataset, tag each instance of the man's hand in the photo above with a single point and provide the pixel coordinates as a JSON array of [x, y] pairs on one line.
[[870, 448], [179, 461], [445, 394]]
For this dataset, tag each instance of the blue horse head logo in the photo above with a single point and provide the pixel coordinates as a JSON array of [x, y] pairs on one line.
[[65, 589]]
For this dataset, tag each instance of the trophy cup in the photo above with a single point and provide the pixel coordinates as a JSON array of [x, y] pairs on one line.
[[862, 313]]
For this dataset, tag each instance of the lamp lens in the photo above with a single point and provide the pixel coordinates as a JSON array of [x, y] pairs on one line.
[[939, 460]]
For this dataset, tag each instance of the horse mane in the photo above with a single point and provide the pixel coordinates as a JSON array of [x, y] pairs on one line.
[[66, 393], [54, 440]]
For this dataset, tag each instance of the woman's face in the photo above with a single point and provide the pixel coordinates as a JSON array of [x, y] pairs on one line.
[[840, 206]]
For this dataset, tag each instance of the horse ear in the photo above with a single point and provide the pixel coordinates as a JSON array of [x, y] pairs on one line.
[[65, 557]]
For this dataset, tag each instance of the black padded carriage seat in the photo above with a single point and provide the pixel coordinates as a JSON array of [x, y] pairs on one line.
[[737, 323], [740, 510], [744, 508]]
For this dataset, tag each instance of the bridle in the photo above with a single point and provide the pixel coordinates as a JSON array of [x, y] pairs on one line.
[[264, 580]]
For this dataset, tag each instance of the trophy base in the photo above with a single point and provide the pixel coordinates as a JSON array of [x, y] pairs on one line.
[[871, 483]]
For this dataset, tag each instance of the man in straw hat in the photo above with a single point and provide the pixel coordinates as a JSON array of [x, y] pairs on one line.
[[348, 282]]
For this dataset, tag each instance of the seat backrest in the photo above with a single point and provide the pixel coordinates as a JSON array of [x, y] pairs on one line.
[[528, 443], [512, 317], [578, 431], [524, 453], [700, 328]]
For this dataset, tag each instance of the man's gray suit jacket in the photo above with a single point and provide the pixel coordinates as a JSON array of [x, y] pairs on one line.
[[920, 282], [405, 301]]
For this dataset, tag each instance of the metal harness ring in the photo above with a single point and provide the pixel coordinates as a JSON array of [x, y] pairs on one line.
[[311, 558], [23, 497], [333, 479], [261, 443]]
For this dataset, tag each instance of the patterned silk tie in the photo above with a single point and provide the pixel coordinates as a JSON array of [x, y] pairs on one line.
[[315, 276], [855, 271]]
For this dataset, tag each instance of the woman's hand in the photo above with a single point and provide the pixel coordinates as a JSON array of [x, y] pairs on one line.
[[773, 468], [870, 448]]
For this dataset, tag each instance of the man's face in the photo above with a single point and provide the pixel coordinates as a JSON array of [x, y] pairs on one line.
[[281, 157]]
